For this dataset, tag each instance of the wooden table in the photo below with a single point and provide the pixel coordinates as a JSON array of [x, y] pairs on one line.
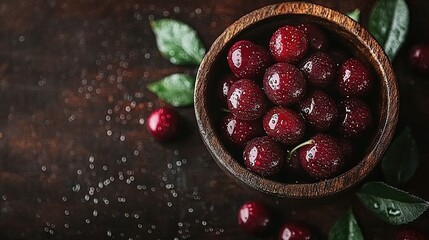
[[76, 159]]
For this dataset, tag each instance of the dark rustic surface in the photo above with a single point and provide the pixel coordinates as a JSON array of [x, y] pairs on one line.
[[76, 159]]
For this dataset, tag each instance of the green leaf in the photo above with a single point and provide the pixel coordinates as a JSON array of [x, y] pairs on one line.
[[346, 228], [391, 204], [178, 42], [401, 159], [355, 14], [388, 22], [176, 89]]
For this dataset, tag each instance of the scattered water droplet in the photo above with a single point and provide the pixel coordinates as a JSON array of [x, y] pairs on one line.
[[394, 212], [76, 188]]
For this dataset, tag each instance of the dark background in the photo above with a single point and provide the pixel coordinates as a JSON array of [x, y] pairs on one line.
[[76, 161]]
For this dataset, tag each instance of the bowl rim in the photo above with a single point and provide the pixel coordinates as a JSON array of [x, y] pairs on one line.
[[384, 132]]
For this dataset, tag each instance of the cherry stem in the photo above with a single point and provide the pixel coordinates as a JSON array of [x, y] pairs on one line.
[[289, 157]]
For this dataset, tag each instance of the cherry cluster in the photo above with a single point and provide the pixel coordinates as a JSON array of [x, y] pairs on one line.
[[256, 218], [296, 103]]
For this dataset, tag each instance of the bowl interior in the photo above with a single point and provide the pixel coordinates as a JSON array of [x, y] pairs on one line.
[[354, 39]]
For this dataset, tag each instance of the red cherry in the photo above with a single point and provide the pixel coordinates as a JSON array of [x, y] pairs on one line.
[[321, 159], [248, 60], [238, 132], [354, 78], [295, 231], [163, 123], [254, 217], [419, 58], [284, 84], [288, 44], [354, 117], [263, 156], [316, 36], [284, 125], [246, 100], [319, 69], [320, 110]]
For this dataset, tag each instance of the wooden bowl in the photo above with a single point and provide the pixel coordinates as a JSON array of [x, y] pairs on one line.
[[258, 26]]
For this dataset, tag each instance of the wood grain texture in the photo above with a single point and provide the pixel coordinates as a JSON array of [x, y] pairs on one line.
[[263, 22], [73, 106]]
